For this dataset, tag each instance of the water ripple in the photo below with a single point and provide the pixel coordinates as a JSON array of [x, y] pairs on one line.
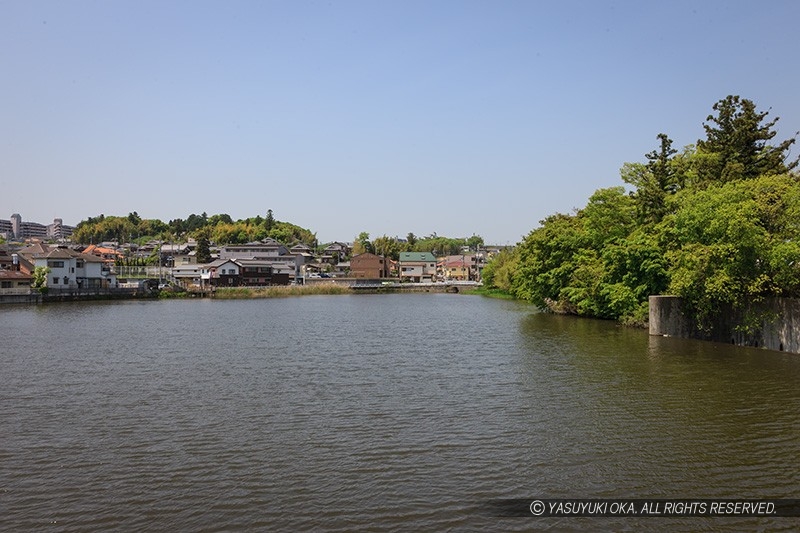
[[373, 413]]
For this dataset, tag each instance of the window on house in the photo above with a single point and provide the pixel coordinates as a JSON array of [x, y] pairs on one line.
[[5, 284], [55, 264], [79, 263], [55, 280]]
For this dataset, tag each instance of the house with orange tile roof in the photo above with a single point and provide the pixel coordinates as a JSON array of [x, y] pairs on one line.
[[108, 255]]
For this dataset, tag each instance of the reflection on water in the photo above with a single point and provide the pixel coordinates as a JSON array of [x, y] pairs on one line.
[[374, 412]]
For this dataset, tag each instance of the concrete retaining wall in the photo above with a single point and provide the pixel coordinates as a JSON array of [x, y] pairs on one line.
[[28, 298], [780, 330]]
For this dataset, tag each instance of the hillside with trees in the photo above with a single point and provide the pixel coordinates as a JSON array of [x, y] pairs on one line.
[[220, 229], [716, 223]]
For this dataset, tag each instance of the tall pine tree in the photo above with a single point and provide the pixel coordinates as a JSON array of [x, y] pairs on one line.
[[737, 143]]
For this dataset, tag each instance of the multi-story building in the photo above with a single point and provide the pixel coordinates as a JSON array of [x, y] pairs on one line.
[[16, 229], [417, 266], [58, 230], [369, 265], [70, 270]]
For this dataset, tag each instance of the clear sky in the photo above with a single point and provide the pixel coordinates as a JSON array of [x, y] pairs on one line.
[[454, 117]]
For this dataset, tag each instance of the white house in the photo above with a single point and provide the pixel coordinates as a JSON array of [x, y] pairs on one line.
[[417, 266], [70, 270]]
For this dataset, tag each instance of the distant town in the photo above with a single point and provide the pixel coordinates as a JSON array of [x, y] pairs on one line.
[[42, 259]]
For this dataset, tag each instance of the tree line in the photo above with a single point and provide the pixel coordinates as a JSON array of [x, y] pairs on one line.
[[221, 229], [393, 246], [715, 223]]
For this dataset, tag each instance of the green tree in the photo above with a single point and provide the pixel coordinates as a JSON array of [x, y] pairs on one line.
[[203, 250], [387, 247], [653, 181], [736, 143], [40, 279], [499, 272], [222, 218], [270, 220], [547, 259], [475, 242], [732, 245], [362, 244]]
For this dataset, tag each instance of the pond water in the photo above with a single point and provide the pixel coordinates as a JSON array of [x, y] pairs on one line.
[[399, 412]]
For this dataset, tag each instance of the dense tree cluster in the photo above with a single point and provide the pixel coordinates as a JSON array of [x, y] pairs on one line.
[[393, 246], [716, 224], [220, 229]]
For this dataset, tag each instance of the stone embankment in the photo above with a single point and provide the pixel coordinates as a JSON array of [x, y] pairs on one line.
[[778, 328]]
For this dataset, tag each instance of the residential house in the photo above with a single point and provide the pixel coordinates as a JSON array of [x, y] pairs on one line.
[[267, 248], [258, 272], [457, 267], [303, 251], [14, 261], [225, 273], [368, 265], [70, 270], [188, 275], [342, 269], [417, 266], [15, 282], [108, 255], [6, 258], [179, 254], [335, 252]]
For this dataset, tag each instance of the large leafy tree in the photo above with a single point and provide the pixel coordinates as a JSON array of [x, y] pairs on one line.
[[362, 244], [733, 245], [387, 247], [715, 224]]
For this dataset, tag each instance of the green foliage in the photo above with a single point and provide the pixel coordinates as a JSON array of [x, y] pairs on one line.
[[203, 251], [735, 244], [499, 271], [475, 242], [40, 279], [654, 181], [717, 225], [439, 246], [387, 246], [220, 229], [270, 221], [737, 143], [362, 244]]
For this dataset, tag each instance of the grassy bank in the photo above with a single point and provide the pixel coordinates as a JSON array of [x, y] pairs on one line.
[[491, 293], [236, 293]]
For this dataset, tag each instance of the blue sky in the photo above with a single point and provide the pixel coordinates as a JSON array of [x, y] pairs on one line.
[[453, 117]]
